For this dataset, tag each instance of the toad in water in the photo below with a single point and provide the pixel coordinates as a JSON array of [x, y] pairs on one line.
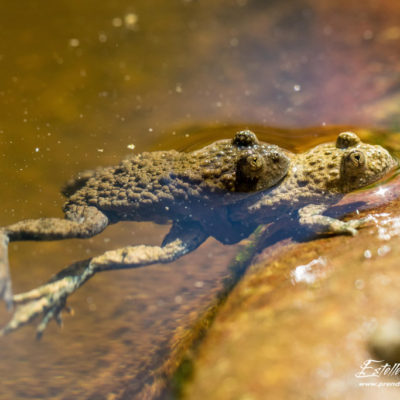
[[315, 180], [318, 179], [191, 189]]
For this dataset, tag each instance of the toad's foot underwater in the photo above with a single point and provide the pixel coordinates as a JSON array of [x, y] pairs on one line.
[[224, 190]]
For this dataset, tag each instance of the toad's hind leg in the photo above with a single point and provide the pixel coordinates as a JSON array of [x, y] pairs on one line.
[[48, 300], [80, 222]]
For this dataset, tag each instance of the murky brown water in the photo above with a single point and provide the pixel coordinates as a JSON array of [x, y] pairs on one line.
[[80, 81]]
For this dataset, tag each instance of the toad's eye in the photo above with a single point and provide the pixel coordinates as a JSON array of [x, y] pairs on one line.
[[250, 165], [254, 162], [355, 159], [245, 138], [275, 157]]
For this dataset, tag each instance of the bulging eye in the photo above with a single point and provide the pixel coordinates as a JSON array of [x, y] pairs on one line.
[[245, 138], [346, 140], [275, 157], [356, 159], [254, 162]]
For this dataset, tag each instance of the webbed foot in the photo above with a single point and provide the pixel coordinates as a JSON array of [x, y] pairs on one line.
[[47, 300], [24, 313]]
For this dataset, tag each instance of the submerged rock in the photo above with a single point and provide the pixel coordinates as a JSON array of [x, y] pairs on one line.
[[308, 316]]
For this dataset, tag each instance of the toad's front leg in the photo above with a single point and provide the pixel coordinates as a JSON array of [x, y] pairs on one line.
[[311, 217], [80, 222], [49, 300]]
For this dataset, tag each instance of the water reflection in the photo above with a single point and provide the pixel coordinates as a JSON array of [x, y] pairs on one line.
[[310, 272]]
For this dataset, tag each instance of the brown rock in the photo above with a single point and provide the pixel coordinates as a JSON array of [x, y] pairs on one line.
[[302, 321]]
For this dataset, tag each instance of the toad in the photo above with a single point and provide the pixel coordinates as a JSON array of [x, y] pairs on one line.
[[191, 189], [314, 181], [318, 179]]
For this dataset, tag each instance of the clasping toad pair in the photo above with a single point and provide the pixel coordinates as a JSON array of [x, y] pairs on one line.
[[224, 190]]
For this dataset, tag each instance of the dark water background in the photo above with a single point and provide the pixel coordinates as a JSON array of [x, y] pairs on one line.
[[82, 81]]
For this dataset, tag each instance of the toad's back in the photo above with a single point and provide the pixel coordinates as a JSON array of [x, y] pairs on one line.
[[160, 184]]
